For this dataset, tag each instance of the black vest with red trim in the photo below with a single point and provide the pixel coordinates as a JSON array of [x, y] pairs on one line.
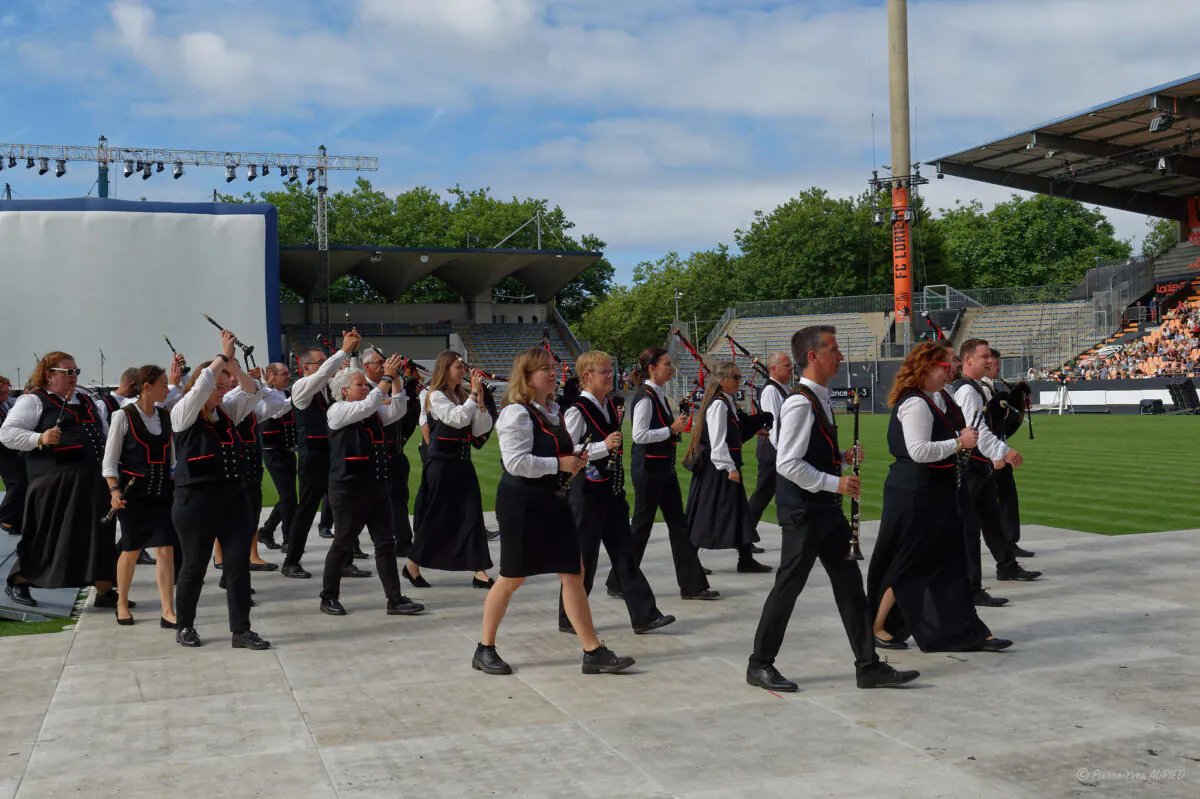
[[112, 402], [977, 463], [448, 443], [81, 443], [312, 426], [765, 451], [360, 452], [655, 460], [145, 456], [11, 458], [251, 447], [549, 441], [823, 454], [907, 473], [280, 432], [733, 433], [604, 477], [208, 452]]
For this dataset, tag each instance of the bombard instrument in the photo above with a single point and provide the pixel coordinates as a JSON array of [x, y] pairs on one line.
[[247, 350], [112, 512], [183, 369], [855, 552]]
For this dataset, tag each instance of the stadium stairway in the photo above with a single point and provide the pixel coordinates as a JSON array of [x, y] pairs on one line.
[[1009, 327], [493, 347], [1182, 260]]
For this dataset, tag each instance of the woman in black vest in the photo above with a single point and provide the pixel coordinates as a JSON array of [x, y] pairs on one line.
[[63, 543], [211, 503], [655, 484], [537, 531], [917, 580], [718, 512], [360, 474], [448, 531], [137, 465], [12, 473], [597, 497]]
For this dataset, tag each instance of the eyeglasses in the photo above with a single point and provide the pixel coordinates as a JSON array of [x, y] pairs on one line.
[[736, 377], [67, 372], [605, 372]]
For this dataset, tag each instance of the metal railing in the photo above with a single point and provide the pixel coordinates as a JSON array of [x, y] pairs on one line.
[[816, 306], [719, 328]]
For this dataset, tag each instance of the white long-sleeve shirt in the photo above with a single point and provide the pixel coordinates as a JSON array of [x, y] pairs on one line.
[[345, 413], [304, 389], [793, 430], [770, 400], [972, 407], [716, 426], [576, 426], [184, 414], [271, 403], [118, 428], [447, 411], [19, 429], [916, 419], [514, 429], [642, 434]]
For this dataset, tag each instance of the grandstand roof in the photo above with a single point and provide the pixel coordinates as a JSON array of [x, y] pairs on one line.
[[1107, 155], [393, 270]]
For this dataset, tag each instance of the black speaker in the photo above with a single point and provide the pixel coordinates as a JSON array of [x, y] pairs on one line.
[[1150, 406], [1183, 394]]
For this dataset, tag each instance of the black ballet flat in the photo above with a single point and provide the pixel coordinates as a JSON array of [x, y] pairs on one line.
[[417, 582], [124, 622], [477, 583], [166, 625], [892, 644]]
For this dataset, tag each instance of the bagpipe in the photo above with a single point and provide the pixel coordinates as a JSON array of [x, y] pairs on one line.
[[1011, 408], [759, 368], [564, 368], [489, 401], [686, 405], [933, 325]]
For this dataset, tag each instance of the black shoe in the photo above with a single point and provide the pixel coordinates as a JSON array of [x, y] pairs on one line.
[[8, 528], [19, 593], [707, 594], [615, 594], [331, 607], [492, 535], [566, 628], [603, 660], [485, 585], [249, 640], [769, 677], [891, 643], [882, 675], [350, 570], [218, 566], [752, 566], [1022, 553], [144, 559], [294, 570], [990, 645], [707, 572], [403, 606], [267, 539], [418, 581], [654, 624], [166, 625], [125, 622], [325, 532], [985, 600], [187, 636], [487, 661], [1016, 573], [264, 567], [283, 547], [756, 549], [109, 600], [359, 554]]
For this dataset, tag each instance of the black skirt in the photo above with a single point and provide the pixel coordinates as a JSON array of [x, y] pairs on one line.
[[63, 542], [718, 514], [921, 555], [448, 533], [537, 531], [146, 523]]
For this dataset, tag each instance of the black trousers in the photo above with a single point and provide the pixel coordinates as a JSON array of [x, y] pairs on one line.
[[811, 532], [764, 489], [605, 519], [12, 472], [358, 504], [650, 496], [326, 521], [981, 517], [401, 526], [1010, 507], [281, 465], [314, 484], [204, 513]]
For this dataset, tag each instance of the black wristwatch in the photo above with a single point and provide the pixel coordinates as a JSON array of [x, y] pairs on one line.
[[222, 356]]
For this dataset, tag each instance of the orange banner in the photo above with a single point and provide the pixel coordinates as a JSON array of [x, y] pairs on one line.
[[901, 251]]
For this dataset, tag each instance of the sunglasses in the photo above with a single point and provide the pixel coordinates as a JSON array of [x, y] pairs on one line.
[[943, 364], [67, 372]]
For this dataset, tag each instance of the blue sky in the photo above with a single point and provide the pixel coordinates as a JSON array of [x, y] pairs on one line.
[[657, 124]]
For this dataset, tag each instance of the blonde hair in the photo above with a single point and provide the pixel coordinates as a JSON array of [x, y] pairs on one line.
[[441, 379], [524, 365], [591, 361], [920, 362], [721, 370]]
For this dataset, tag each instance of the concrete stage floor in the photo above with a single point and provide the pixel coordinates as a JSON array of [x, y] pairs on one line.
[[1097, 698]]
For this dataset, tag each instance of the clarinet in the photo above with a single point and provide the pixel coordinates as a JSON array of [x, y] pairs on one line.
[[855, 552], [112, 512], [615, 466]]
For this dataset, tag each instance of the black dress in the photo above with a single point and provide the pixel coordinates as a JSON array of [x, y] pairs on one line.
[[145, 461], [448, 531], [537, 529], [718, 512], [920, 553]]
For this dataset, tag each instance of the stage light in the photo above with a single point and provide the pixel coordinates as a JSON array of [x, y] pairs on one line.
[[878, 218], [312, 177], [251, 171], [1162, 122], [293, 174], [158, 167], [230, 173], [43, 165], [178, 173], [12, 161], [29, 162], [1163, 166], [146, 170], [141, 165], [266, 170], [60, 168], [128, 169]]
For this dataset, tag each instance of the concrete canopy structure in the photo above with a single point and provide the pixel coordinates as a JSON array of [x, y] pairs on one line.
[[1134, 154], [471, 272]]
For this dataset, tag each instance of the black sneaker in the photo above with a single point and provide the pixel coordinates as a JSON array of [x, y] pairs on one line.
[[603, 660], [652, 625], [487, 661], [294, 570], [249, 640], [19, 593], [325, 532], [882, 675], [187, 636], [1017, 573], [403, 606], [768, 677], [331, 607]]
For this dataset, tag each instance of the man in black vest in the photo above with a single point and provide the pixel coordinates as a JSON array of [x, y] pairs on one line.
[[770, 400], [278, 435], [814, 526], [123, 393], [12, 472], [1006, 484], [977, 491], [310, 398]]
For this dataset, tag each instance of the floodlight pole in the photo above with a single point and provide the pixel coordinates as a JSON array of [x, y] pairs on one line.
[[901, 160], [323, 239]]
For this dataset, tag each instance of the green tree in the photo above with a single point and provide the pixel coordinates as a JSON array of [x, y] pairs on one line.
[[1161, 235]]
